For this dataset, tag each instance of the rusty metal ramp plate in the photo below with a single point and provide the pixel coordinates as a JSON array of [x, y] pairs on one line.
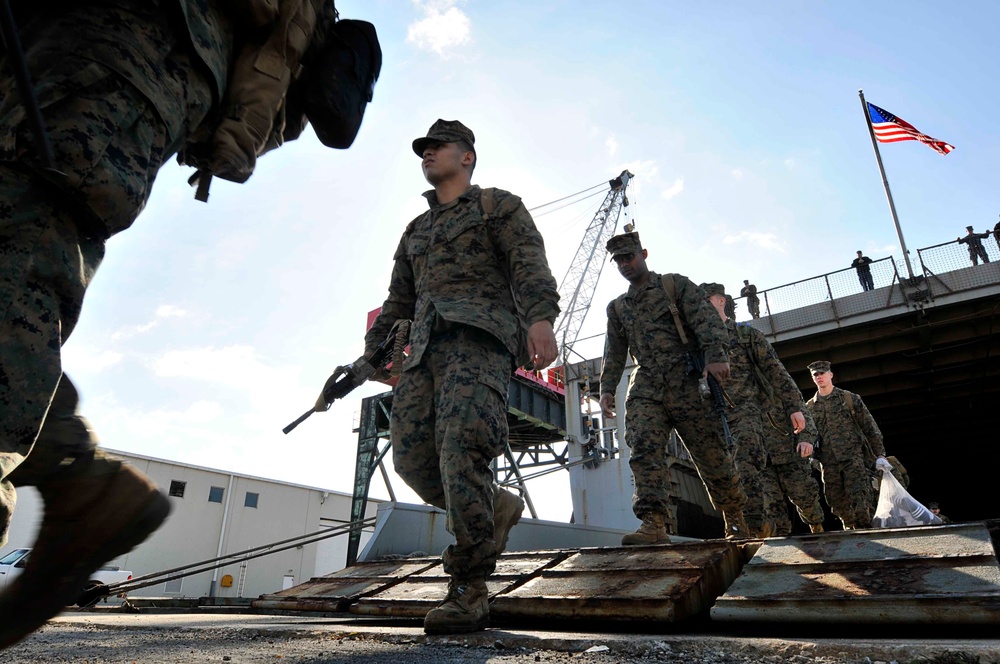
[[335, 592], [940, 574], [418, 593], [662, 583]]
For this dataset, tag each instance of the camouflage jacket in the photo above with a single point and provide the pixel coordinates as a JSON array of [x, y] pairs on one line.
[[757, 376], [131, 38], [778, 439], [453, 264], [646, 330], [843, 433]]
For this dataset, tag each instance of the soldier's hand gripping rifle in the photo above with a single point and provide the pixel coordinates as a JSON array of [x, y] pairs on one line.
[[344, 379], [709, 387]]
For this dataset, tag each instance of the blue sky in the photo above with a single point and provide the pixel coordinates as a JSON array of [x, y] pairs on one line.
[[211, 326]]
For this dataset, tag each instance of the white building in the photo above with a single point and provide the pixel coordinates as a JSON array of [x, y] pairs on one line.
[[216, 513]]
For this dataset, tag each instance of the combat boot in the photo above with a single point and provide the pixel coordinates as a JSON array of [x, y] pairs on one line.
[[816, 528], [507, 510], [736, 525], [466, 608], [767, 529], [652, 531], [91, 517]]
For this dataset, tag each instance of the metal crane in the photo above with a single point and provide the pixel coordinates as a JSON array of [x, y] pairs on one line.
[[577, 288]]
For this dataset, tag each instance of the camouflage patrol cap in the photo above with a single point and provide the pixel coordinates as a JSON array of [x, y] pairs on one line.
[[626, 243], [445, 131], [713, 289], [819, 367], [968, 228]]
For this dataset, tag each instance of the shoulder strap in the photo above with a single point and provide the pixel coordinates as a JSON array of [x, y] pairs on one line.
[[488, 202], [850, 403], [671, 290]]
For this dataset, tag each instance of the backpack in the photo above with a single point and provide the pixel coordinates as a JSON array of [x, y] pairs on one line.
[[488, 206]]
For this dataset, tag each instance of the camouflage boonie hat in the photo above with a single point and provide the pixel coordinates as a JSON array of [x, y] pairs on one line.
[[626, 243], [445, 131], [819, 367], [713, 289]]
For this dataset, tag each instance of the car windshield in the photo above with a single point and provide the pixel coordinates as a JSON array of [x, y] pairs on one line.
[[12, 556]]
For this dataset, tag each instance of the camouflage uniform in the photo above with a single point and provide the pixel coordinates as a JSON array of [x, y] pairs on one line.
[[788, 474], [974, 242], [757, 378], [749, 291], [843, 452], [663, 391], [452, 277], [121, 85]]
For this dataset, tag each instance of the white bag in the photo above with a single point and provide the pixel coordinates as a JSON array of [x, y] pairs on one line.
[[898, 509]]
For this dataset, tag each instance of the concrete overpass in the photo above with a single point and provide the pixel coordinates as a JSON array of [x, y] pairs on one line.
[[923, 353]]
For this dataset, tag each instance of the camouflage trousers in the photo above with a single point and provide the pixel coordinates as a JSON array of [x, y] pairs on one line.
[[795, 481], [109, 143], [849, 493], [448, 424], [647, 429], [751, 457]]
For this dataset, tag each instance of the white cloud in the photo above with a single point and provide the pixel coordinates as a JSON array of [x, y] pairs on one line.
[[674, 190], [768, 241], [443, 27], [612, 144], [132, 330], [737, 174], [87, 360], [170, 311], [235, 366], [790, 163], [163, 311]]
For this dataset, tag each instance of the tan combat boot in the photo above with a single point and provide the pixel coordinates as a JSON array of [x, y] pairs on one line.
[[90, 518], [736, 525], [652, 531], [816, 528], [767, 529], [466, 608], [507, 510]]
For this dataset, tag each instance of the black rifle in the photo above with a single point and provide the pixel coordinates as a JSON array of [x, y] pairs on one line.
[[709, 387], [344, 379]]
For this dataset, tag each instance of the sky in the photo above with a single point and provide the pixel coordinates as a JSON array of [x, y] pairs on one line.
[[211, 326]]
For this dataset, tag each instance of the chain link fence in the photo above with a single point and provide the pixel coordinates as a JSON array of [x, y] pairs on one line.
[[942, 268], [955, 266], [827, 297]]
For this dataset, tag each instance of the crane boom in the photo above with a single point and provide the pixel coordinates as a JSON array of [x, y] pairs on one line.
[[577, 288]]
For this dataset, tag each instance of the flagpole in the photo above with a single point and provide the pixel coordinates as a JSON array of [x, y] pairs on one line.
[[885, 182]]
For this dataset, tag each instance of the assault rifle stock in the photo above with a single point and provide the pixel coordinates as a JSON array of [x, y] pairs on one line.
[[344, 379]]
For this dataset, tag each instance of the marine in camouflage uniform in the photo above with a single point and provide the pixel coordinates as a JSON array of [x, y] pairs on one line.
[[122, 86], [788, 473], [974, 243], [663, 392], [456, 269], [847, 439], [757, 379]]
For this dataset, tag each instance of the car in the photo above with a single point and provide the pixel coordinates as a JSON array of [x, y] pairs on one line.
[[12, 564]]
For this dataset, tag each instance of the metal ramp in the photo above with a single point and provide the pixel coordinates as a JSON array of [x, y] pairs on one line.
[[933, 574], [939, 574], [622, 584]]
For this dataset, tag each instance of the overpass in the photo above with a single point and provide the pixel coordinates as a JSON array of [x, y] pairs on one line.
[[924, 353]]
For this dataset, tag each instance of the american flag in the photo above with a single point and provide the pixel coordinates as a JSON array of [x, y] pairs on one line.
[[891, 129]]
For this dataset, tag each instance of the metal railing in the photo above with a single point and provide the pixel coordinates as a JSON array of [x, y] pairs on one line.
[[944, 268], [826, 297]]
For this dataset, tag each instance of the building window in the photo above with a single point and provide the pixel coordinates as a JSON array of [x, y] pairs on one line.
[[215, 494], [251, 500], [177, 488]]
